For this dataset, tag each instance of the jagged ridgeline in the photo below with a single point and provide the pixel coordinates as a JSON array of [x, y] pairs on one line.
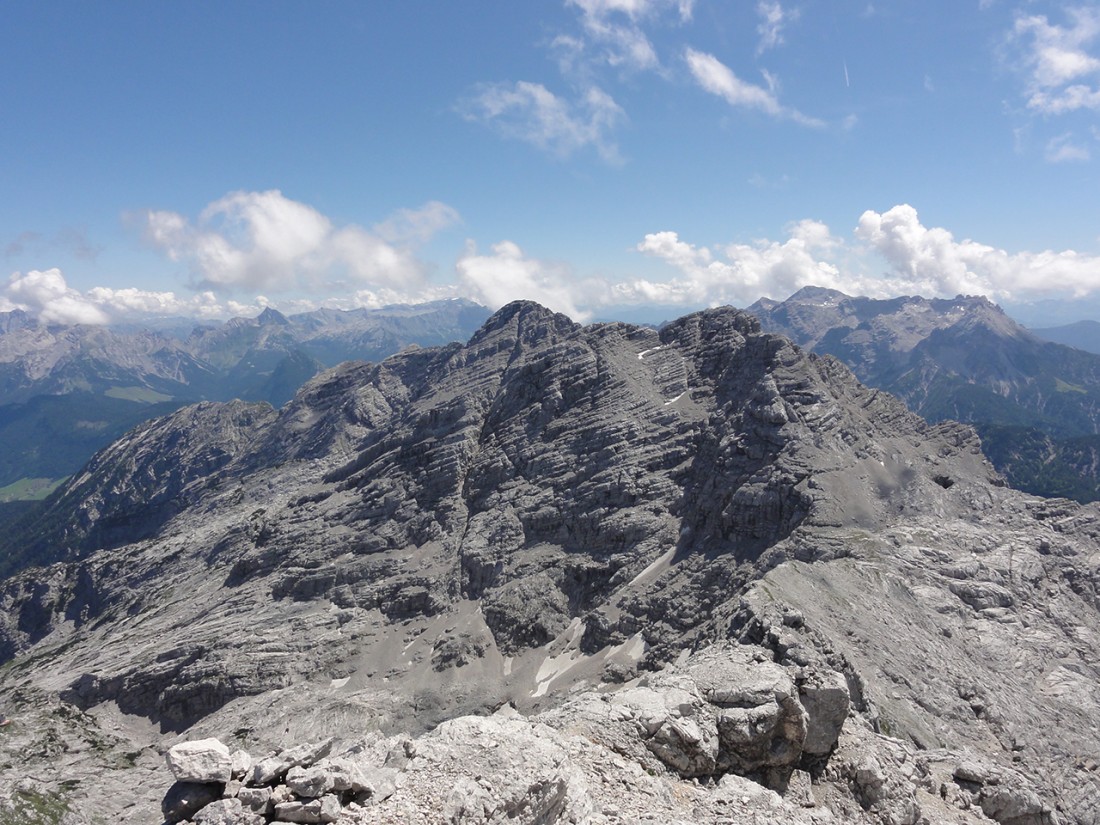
[[553, 507], [1035, 404]]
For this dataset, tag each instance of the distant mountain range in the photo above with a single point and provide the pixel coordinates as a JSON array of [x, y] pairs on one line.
[[67, 391], [1035, 403], [1082, 335]]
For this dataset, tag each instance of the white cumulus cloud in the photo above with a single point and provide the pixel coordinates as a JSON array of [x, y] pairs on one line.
[[45, 293], [918, 260], [507, 275], [266, 241], [743, 273], [930, 261]]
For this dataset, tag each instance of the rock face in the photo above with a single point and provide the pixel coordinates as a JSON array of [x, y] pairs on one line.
[[704, 566]]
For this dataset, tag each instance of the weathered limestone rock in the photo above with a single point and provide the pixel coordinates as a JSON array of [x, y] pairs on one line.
[[227, 812], [664, 489], [267, 771], [306, 754], [1013, 805], [688, 746], [800, 790], [761, 723], [257, 800], [242, 763], [309, 782], [347, 774], [825, 697], [325, 809], [203, 760]]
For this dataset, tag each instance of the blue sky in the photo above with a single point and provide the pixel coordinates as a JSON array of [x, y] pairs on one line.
[[603, 156]]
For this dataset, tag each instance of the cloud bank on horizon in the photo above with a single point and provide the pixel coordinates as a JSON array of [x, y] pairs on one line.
[[249, 241], [576, 108]]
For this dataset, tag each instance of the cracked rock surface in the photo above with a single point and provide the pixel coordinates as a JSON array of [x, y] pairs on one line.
[[689, 575]]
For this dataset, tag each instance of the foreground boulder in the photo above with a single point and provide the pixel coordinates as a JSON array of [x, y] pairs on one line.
[[205, 760]]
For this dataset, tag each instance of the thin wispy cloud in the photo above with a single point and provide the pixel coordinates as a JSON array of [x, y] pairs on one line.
[[69, 240], [612, 42], [715, 77], [417, 225], [616, 29], [532, 113], [1065, 149], [773, 20]]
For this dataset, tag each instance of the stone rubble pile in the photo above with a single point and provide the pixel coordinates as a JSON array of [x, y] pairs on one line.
[[725, 735], [301, 784], [730, 710]]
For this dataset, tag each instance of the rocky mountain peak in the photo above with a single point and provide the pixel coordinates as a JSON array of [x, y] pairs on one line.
[[527, 319], [701, 549], [272, 316], [816, 295]]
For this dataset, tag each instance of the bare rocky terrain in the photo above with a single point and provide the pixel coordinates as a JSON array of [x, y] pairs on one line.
[[1035, 403], [593, 574]]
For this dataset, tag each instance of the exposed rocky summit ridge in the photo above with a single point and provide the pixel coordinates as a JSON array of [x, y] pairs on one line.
[[553, 517]]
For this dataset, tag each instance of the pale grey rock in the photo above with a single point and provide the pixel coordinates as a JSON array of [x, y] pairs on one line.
[[309, 782], [688, 746], [202, 760], [1013, 805], [325, 809], [226, 812], [306, 754], [242, 763], [279, 795], [348, 774], [257, 800], [825, 697], [268, 770], [800, 789], [489, 770]]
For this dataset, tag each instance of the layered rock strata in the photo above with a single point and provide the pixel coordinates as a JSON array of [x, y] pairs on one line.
[[550, 510]]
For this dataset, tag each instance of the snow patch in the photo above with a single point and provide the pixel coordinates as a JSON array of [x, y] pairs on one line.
[[661, 562]]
